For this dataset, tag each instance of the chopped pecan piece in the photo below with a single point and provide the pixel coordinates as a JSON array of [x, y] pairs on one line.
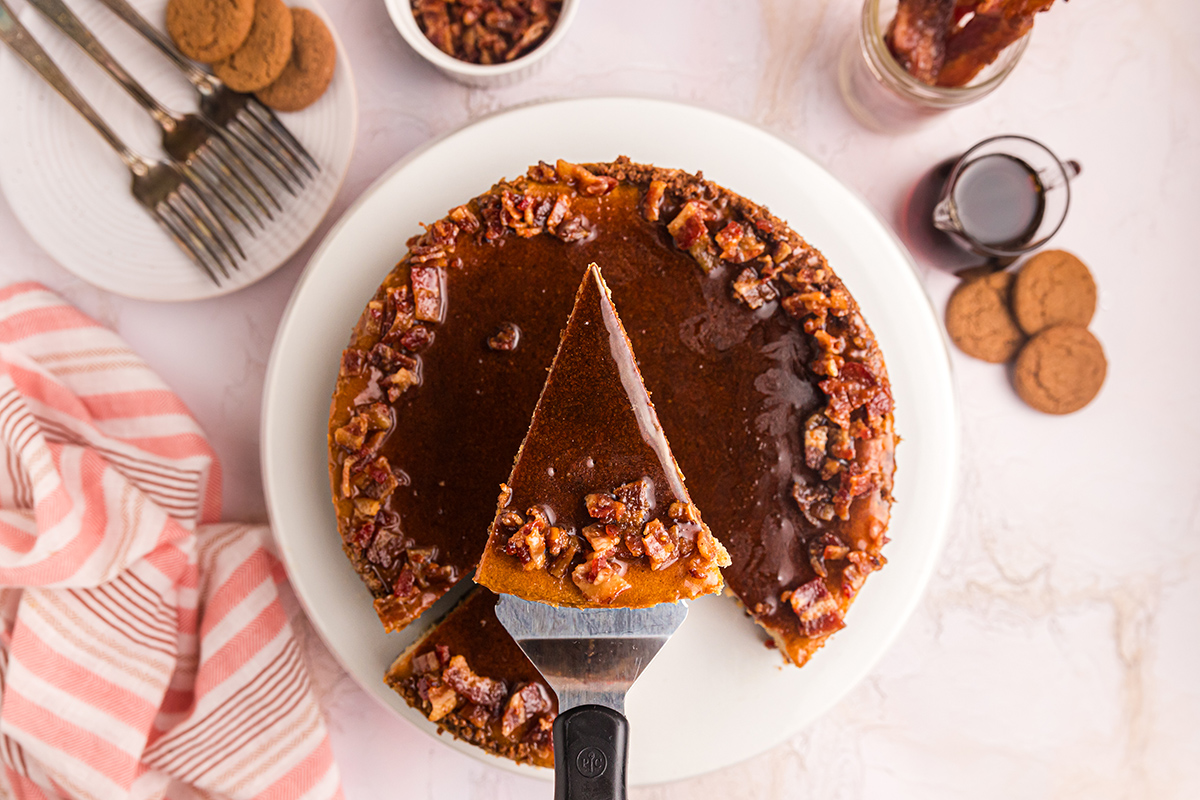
[[816, 439], [528, 544], [465, 219], [602, 538], [826, 547], [482, 691], [475, 715], [659, 544], [506, 337], [652, 202], [815, 501], [486, 31], [353, 362], [684, 512], [351, 435], [855, 574], [752, 290], [599, 580], [710, 549], [557, 540], [575, 228], [525, 703], [562, 561], [366, 507], [738, 244], [637, 498], [816, 608], [347, 486], [399, 382], [603, 507], [585, 181], [426, 662], [442, 700], [416, 338], [427, 293]]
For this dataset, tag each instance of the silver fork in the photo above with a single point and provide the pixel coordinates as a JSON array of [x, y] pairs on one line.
[[159, 186], [189, 139], [252, 124]]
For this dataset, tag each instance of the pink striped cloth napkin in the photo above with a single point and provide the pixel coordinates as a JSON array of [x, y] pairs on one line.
[[144, 650]]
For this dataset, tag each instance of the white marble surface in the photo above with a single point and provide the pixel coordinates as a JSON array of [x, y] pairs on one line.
[[1055, 654]]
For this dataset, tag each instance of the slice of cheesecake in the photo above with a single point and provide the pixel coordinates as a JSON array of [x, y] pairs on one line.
[[595, 512]]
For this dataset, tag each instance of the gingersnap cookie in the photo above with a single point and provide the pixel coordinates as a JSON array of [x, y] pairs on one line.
[[978, 319], [1060, 370], [209, 30], [1053, 288], [264, 54], [309, 70]]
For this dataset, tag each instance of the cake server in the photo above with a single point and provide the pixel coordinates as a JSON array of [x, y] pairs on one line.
[[591, 657]]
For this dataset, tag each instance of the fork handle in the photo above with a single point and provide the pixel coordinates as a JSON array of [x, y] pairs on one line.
[[130, 15], [14, 34], [65, 20], [590, 747]]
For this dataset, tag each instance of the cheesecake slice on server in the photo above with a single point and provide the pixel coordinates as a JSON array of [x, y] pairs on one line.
[[595, 512]]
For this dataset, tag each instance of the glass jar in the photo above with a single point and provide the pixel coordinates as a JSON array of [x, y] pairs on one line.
[[883, 96]]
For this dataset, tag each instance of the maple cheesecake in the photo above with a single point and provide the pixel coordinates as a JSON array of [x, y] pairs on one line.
[[766, 379], [595, 512]]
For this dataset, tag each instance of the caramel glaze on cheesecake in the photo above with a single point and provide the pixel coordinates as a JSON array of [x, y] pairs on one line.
[[768, 383], [595, 513]]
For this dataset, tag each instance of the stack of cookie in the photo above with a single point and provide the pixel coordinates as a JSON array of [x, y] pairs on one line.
[[1037, 318], [284, 55]]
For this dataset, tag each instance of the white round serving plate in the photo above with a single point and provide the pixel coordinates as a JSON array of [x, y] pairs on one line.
[[715, 695], [71, 191]]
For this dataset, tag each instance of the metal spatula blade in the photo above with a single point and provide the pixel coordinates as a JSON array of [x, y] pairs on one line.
[[590, 657]]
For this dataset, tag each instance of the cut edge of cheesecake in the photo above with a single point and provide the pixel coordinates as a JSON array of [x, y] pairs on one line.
[[595, 477]]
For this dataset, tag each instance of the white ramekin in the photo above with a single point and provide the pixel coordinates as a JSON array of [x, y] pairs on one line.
[[484, 75]]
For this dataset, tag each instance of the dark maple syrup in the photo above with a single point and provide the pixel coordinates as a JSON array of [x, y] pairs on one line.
[[999, 201]]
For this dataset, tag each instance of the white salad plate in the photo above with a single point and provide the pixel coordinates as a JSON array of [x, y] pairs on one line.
[[715, 695], [70, 190]]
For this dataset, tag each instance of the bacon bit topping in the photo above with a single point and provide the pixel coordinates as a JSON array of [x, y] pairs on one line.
[[416, 338], [688, 227], [477, 716], [855, 482], [855, 387], [855, 574], [525, 703], [659, 544], [815, 502], [427, 293], [637, 498], [816, 608], [652, 203], [583, 180], [479, 690], [603, 507], [556, 540]]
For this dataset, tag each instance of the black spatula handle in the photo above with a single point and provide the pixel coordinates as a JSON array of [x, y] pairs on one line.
[[590, 745]]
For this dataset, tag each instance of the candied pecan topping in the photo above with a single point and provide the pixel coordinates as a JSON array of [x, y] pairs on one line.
[[853, 388], [815, 501], [353, 362], [442, 700], [427, 293], [738, 244], [688, 227], [564, 558], [584, 181], [602, 538], [652, 202], [753, 290], [603, 507], [599, 580], [477, 716], [816, 608], [528, 544], [465, 219], [684, 512], [486, 31], [637, 498], [659, 544], [826, 547], [416, 338], [861, 565], [479, 690], [506, 337], [525, 703]]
